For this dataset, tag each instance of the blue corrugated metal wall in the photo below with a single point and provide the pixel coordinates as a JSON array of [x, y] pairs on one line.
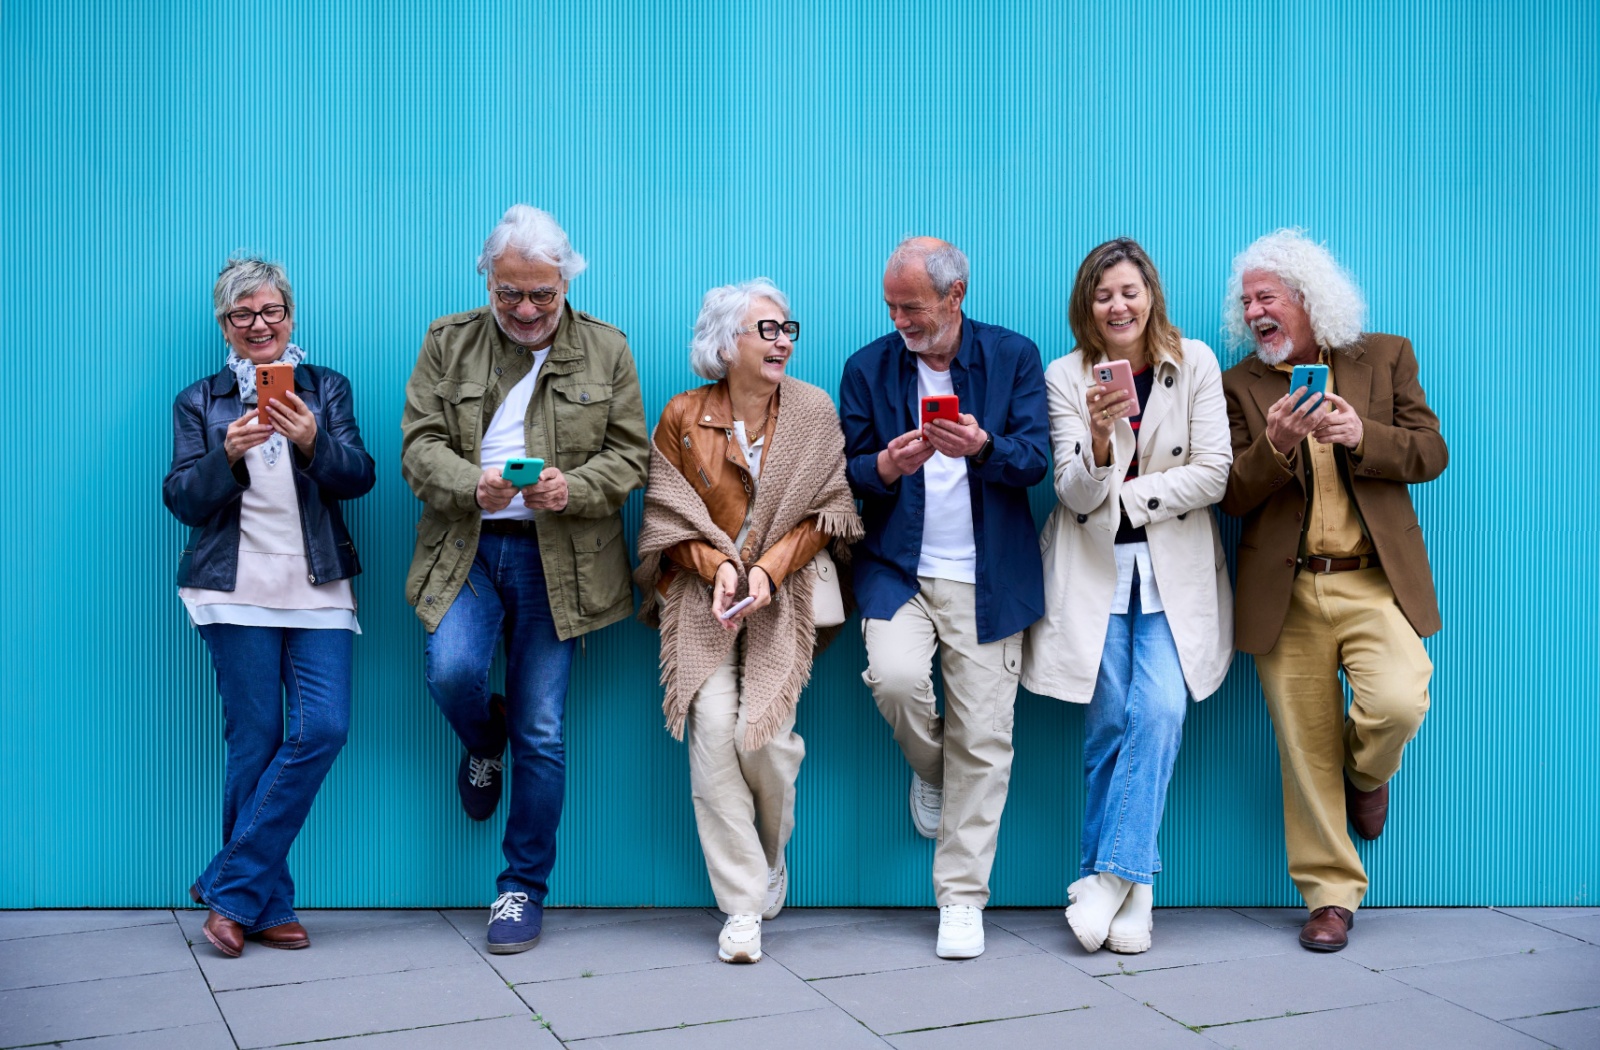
[[1447, 151]]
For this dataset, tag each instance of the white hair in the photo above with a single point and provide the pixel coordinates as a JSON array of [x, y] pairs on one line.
[[722, 312], [535, 235], [1331, 298], [245, 274], [946, 264]]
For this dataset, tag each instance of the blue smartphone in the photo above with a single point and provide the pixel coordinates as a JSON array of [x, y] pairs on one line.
[[522, 472], [1314, 378]]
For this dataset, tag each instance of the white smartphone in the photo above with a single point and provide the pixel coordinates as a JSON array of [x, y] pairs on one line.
[[735, 609]]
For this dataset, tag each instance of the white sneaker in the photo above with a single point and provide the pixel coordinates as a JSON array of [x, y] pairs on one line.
[[960, 932], [927, 804], [740, 941], [777, 890], [1131, 928], [1095, 901]]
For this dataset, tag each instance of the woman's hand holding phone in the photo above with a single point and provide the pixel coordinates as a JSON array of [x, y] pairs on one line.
[[292, 418], [1106, 405], [244, 434]]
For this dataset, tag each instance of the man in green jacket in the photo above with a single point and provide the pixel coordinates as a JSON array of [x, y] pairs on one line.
[[537, 562]]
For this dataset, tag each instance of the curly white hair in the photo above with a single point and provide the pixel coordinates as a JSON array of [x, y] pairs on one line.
[[1331, 298]]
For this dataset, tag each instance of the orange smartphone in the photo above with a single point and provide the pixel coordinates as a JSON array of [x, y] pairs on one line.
[[272, 382], [1118, 375], [941, 406]]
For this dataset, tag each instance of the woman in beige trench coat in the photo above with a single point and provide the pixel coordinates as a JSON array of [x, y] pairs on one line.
[[1138, 612]]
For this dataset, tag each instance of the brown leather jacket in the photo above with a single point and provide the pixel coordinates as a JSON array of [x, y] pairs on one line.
[[695, 434]]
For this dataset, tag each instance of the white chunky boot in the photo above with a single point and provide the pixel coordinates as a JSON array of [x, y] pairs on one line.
[[1095, 900], [1130, 929]]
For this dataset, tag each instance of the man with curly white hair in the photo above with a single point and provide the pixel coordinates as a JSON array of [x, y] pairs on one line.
[[1333, 573]]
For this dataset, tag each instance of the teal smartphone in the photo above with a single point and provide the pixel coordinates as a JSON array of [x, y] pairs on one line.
[[522, 472], [1314, 378]]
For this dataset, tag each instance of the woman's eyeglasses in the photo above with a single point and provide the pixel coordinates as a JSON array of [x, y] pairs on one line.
[[769, 329]]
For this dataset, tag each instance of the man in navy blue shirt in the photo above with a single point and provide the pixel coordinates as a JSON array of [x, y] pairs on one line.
[[950, 560]]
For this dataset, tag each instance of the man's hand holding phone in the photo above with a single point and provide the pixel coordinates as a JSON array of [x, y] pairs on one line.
[[1291, 418], [1338, 425], [963, 438], [548, 493], [494, 491], [905, 455]]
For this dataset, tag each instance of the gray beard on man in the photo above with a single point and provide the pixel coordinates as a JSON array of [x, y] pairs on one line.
[[1275, 357]]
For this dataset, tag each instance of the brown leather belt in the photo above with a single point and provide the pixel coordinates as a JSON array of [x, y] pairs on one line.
[[1318, 563], [509, 527]]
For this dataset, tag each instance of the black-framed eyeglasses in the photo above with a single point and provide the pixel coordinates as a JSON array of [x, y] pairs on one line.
[[514, 296], [242, 318], [769, 329]]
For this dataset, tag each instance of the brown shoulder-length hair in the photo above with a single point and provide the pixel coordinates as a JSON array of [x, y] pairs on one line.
[[1162, 340]]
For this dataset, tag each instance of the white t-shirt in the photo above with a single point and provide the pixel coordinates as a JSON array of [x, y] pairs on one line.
[[505, 437], [949, 551]]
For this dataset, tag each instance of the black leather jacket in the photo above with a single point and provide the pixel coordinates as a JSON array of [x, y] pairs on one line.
[[203, 491]]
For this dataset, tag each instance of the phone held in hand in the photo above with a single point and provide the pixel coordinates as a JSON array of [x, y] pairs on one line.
[[735, 609], [1314, 378], [1118, 375], [272, 382], [941, 406], [522, 472]]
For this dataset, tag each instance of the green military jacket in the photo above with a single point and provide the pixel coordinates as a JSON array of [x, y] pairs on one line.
[[585, 418]]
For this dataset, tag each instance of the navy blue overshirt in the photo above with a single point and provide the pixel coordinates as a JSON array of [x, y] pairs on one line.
[[998, 379]]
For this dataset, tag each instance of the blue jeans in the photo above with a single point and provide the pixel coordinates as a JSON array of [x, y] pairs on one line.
[[274, 769], [1130, 742], [505, 595]]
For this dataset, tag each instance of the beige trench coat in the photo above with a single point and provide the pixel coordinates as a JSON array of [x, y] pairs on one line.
[[1184, 455]]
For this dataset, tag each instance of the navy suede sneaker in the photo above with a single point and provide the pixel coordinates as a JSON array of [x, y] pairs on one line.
[[478, 781], [514, 923]]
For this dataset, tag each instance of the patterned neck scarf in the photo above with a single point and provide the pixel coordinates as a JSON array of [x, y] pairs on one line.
[[245, 372]]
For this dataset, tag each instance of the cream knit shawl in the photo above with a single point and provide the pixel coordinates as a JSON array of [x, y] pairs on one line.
[[802, 476]]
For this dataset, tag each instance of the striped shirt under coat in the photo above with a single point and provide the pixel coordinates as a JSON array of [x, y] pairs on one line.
[[1184, 454]]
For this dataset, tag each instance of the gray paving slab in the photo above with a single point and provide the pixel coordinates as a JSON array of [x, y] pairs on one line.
[[1386, 938], [1570, 1030], [1583, 927], [613, 1004], [1182, 937], [368, 1004], [1124, 1024], [578, 918], [678, 940], [829, 1028], [1017, 919], [1250, 989], [337, 950], [1279, 918], [1542, 915], [212, 1035], [810, 918], [70, 957], [504, 1033], [323, 920], [872, 947], [983, 990], [1404, 1025], [114, 1006], [1506, 986], [14, 924]]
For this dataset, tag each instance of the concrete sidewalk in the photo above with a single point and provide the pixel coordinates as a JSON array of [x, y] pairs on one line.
[[838, 979]]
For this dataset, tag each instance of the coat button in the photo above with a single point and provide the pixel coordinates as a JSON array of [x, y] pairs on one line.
[[1082, 518], [1154, 503], [498, 370], [519, 351], [584, 396], [705, 419], [428, 600], [1289, 562], [1299, 515], [1169, 380], [1077, 447], [460, 544], [1185, 514], [1178, 451], [312, 578]]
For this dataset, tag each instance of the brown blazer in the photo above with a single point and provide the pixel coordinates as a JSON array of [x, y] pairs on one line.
[[693, 435], [1401, 445]]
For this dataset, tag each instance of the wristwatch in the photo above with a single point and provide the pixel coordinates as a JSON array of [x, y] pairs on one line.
[[980, 457]]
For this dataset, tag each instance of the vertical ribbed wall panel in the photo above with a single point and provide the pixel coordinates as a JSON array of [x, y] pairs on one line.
[[1447, 151]]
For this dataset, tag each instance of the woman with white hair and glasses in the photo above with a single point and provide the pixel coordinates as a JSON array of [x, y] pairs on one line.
[[747, 486], [1138, 613], [265, 576]]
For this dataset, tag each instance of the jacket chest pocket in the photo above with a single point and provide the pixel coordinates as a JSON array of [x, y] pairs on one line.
[[581, 411], [463, 409]]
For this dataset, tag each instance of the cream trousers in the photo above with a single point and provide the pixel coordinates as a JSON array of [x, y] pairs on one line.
[[968, 750], [743, 800], [1336, 620]]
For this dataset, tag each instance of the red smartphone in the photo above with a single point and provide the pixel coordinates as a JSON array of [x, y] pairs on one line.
[[1118, 375], [272, 382], [941, 406]]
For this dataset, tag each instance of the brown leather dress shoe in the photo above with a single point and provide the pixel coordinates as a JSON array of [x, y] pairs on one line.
[[1366, 810], [225, 934], [1328, 929], [287, 935]]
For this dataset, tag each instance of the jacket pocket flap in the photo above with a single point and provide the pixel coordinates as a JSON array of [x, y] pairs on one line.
[[455, 391], [582, 392], [596, 536]]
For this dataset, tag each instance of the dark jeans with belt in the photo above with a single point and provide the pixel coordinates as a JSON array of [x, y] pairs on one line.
[[275, 763], [505, 597]]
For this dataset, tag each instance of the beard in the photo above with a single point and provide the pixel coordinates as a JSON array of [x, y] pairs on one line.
[[1278, 356]]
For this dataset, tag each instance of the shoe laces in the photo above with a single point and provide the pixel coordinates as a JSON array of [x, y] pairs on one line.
[[928, 795], [507, 906], [964, 916], [742, 925], [481, 773]]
